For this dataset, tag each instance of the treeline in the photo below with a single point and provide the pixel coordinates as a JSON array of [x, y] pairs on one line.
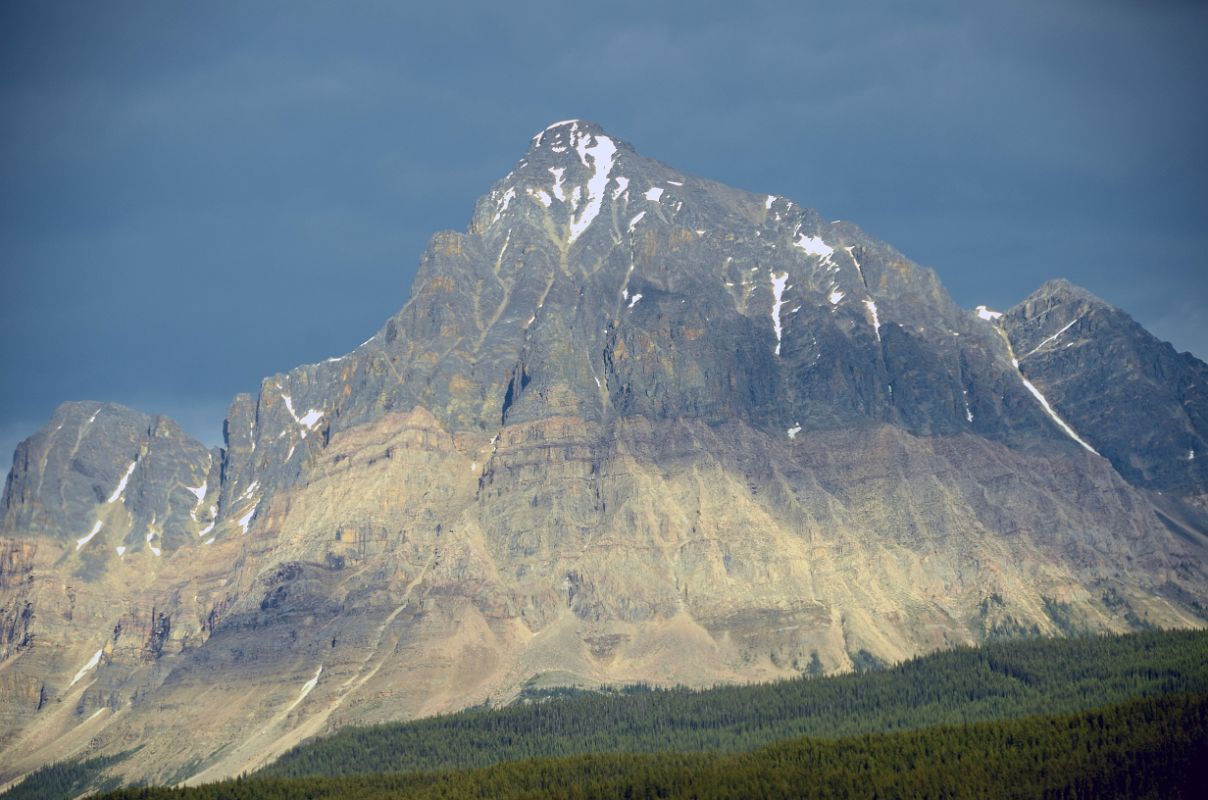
[[66, 780], [1150, 747], [999, 681]]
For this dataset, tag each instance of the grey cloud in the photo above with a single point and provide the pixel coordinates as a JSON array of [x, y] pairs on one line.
[[254, 188]]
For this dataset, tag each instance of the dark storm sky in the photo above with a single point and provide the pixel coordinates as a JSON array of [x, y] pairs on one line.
[[196, 195]]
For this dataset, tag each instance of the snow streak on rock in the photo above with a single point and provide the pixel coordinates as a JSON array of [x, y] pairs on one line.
[[95, 530], [600, 155], [84, 670], [121, 486], [779, 283]]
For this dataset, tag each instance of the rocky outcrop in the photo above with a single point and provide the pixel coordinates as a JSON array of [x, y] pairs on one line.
[[1132, 397], [110, 481], [632, 425]]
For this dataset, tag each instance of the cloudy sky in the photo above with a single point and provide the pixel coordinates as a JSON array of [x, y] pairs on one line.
[[196, 195]]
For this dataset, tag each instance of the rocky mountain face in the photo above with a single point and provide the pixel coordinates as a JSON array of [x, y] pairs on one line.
[[1141, 403], [632, 425]]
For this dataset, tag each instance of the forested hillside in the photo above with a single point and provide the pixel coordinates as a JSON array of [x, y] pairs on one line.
[[950, 721], [1151, 747], [998, 681]]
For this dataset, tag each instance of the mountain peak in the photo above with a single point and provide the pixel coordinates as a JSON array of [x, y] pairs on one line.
[[1063, 291], [568, 127], [573, 170], [579, 137]]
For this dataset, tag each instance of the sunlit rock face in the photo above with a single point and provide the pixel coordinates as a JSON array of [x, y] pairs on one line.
[[631, 425]]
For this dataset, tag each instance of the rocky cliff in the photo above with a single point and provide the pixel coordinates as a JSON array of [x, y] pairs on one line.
[[631, 425]]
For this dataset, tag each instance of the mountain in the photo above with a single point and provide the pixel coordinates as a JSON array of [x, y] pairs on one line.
[[631, 425]]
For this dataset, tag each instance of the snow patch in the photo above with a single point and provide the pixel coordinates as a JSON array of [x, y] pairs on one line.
[[199, 491], [508, 197], [121, 550], [771, 199], [988, 314], [306, 688], [871, 305], [308, 420], [246, 519], [95, 530], [311, 418], [84, 670], [835, 297], [121, 486], [793, 431], [637, 218], [859, 270], [558, 173], [654, 193], [814, 246], [542, 197], [507, 240], [633, 301], [676, 183], [1053, 414], [574, 123], [1068, 325], [622, 184], [779, 283], [205, 530]]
